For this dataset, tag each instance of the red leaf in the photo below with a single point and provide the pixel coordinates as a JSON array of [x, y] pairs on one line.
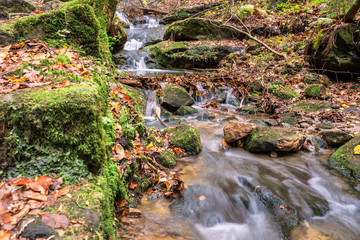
[[132, 185]]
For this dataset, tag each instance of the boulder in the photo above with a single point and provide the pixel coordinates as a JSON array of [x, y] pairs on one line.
[[173, 97], [186, 110], [200, 29], [17, 6], [315, 91], [184, 56], [276, 139], [167, 159], [258, 122], [335, 138], [346, 160], [185, 137], [206, 116], [336, 50], [5, 38], [235, 131], [284, 93], [138, 95], [183, 13]]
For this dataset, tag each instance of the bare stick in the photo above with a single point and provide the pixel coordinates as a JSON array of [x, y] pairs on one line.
[[157, 116]]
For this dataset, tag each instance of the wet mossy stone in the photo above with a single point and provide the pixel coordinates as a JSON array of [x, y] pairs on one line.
[[17, 6], [336, 50], [165, 113], [290, 120], [36, 230], [275, 139], [5, 38], [258, 122], [284, 93], [186, 110], [167, 159], [174, 96], [53, 131], [346, 161], [185, 137], [75, 25], [312, 78], [249, 109], [138, 95], [335, 138], [315, 91], [182, 55], [200, 29]]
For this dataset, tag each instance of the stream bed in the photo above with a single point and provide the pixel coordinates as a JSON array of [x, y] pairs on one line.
[[229, 191]]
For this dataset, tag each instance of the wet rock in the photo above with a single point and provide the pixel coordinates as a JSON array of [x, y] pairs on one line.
[[167, 159], [206, 116], [291, 120], [265, 139], [200, 29], [235, 131], [258, 122], [227, 119], [273, 155], [322, 143], [185, 137], [249, 109], [186, 110], [305, 125], [17, 6], [138, 95], [92, 217], [36, 230], [336, 137], [271, 122], [134, 212], [346, 161], [316, 91], [324, 126], [165, 113], [173, 97], [311, 144], [285, 214]]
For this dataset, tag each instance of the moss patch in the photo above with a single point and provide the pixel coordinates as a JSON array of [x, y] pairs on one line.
[[285, 93], [185, 137], [315, 91], [186, 110], [167, 159]]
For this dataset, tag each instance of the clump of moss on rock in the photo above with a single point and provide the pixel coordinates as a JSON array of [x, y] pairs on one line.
[[284, 93], [316, 91], [186, 110], [185, 137], [346, 161], [167, 159]]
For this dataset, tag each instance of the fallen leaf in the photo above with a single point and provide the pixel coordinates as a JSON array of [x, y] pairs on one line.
[[63, 191], [132, 185], [38, 197], [357, 150], [55, 220], [42, 184], [4, 235], [17, 217], [202, 198], [127, 155]]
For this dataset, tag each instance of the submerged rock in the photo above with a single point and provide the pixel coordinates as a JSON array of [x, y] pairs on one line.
[[200, 29], [186, 110], [206, 116], [235, 131], [336, 138], [185, 137], [265, 139], [173, 97], [346, 160]]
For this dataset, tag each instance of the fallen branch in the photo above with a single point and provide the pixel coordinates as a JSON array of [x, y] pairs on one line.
[[157, 116], [148, 10]]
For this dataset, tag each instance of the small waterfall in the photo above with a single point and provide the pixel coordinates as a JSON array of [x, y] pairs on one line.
[[133, 44], [152, 105], [228, 96], [151, 22], [122, 17], [201, 94]]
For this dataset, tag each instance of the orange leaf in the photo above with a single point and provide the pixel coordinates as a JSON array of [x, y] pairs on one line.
[[42, 184], [4, 235], [66, 83], [63, 191], [38, 197], [202, 198], [126, 97], [127, 155], [132, 185]]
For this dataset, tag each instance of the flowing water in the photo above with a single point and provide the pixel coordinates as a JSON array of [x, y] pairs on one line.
[[222, 199]]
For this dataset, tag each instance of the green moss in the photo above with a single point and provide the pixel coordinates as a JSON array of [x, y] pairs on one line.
[[285, 93], [346, 161], [139, 97], [185, 137], [245, 10], [167, 159], [310, 105], [186, 110], [63, 59], [315, 90]]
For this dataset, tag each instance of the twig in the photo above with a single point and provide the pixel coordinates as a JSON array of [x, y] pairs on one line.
[[157, 116]]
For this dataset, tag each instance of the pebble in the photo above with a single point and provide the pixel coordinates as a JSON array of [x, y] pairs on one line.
[[133, 212], [304, 125], [273, 154]]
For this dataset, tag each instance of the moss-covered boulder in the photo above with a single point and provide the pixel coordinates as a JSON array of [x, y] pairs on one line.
[[57, 130], [346, 160], [336, 50], [183, 13], [17, 6], [315, 91], [335, 137], [200, 29], [174, 96], [312, 78], [139, 97], [186, 110], [284, 93], [167, 159], [185, 137], [265, 139], [184, 56]]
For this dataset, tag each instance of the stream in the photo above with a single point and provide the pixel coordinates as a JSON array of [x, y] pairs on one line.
[[222, 199]]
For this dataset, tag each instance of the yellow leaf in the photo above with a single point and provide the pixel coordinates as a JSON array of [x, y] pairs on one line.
[[357, 150], [151, 145]]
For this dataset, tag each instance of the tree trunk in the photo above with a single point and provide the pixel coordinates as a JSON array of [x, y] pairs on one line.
[[350, 15]]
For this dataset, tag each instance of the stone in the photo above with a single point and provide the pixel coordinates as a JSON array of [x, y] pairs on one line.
[[346, 161], [313, 78], [200, 29], [311, 144], [305, 125], [17, 6], [5, 38], [52, 5], [174, 96], [290, 120], [258, 122], [36, 230], [336, 137], [275, 139], [138, 95], [167, 159], [185, 137], [235, 131], [205, 116], [134, 212], [183, 13], [316, 91], [273, 155], [186, 110], [165, 113], [271, 122], [249, 109], [281, 92], [228, 119]]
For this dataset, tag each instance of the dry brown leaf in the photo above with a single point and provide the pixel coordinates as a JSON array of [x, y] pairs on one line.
[[4, 235], [42, 184], [38, 197], [17, 217], [55, 220]]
